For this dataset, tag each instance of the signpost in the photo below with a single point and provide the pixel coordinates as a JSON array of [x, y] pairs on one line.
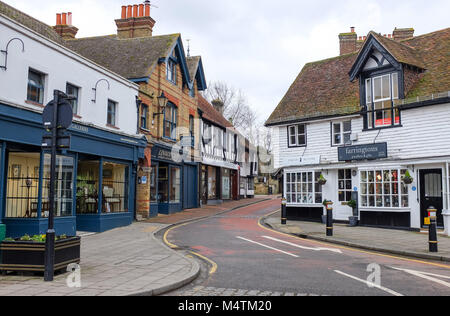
[[57, 118]]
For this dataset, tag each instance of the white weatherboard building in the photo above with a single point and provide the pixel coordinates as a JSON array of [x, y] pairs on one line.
[[364, 121]]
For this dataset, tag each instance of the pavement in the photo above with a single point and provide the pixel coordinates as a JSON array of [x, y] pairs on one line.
[[397, 242], [124, 262]]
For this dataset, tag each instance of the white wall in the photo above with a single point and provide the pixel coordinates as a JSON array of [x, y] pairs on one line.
[[62, 66]]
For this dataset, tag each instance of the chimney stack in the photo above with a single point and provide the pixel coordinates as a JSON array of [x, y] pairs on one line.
[[64, 26], [348, 42], [218, 105], [135, 21], [401, 34]]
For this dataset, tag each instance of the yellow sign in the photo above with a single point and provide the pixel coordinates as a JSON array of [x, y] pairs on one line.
[[427, 221]]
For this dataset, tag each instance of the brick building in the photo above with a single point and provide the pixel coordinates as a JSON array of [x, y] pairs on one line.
[[163, 71]]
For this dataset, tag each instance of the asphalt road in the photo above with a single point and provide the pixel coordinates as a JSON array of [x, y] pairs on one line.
[[252, 257]]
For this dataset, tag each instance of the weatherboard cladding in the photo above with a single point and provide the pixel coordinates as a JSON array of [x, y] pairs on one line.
[[323, 88]]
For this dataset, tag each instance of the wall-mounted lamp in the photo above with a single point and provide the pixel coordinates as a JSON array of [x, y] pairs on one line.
[[95, 89], [6, 51], [162, 103]]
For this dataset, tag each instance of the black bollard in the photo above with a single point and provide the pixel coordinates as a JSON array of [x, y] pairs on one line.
[[283, 212], [329, 219], [433, 241]]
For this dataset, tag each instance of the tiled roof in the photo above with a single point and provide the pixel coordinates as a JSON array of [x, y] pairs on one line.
[[30, 22], [323, 88], [132, 58], [211, 114]]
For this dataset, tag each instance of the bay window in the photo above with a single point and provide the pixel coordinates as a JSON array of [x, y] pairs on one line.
[[303, 187], [297, 135], [384, 189], [381, 92]]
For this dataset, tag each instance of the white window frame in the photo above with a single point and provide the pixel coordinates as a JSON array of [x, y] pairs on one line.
[[77, 108], [297, 192], [345, 189], [342, 133], [401, 186], [297, 134]]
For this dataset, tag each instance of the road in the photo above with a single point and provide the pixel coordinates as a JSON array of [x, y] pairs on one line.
[[249, 259]]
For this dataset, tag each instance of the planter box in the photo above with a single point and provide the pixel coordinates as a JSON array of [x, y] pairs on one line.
[[2, 232], [30, 256]]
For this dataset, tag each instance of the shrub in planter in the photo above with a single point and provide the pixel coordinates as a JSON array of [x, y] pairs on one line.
[[322, 180], [28, 253]]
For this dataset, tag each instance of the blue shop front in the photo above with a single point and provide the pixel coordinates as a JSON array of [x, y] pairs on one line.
[[173, 184], [96, 178]]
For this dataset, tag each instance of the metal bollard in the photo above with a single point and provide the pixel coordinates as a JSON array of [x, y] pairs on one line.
[[283, 212], [433, 241], [329, 219]]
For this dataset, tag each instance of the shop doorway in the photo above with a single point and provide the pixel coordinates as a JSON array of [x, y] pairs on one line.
[[431, 193], [190, 187]]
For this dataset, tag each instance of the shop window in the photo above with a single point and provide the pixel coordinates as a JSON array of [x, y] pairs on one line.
[[170, 121], [381, 92], [112, 113], [251, 184], [63, 186], [303, 188], [35, 90], [22, 187], [153, 192], [226, 184], [115, 188], [175, 185], [73, 92], [87, 186], [212, 183], [345, 185], [384, 189], [342, 132], [163, 184]]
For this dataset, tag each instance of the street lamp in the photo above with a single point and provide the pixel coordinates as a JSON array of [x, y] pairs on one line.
[[162, 104]]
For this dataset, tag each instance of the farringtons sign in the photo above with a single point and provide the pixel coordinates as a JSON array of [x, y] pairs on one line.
[[363, 152]]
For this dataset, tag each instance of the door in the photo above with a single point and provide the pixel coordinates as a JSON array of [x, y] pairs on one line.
[[204, 185], [190, 187], [431, 193]]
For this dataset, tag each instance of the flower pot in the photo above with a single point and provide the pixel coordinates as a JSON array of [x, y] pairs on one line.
[[408, 180], [322, 182], [353, 221], [29, 256]]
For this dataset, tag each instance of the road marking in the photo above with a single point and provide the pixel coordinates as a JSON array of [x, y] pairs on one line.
[[426, 276], [262, 245], [347, 248], [303, 247], [213, 264], [369, 284]]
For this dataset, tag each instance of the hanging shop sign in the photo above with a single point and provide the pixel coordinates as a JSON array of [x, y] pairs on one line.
[[363, 152]]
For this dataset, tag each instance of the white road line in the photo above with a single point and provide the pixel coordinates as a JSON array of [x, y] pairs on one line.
[[426, 276], [369, 284], [303, 247], [262, 245]]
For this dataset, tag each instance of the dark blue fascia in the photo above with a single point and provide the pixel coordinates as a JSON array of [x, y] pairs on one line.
[[200, 76], [140, 80], [181, 59]]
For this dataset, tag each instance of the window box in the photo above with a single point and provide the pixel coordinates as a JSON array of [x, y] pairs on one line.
[[29, 256]]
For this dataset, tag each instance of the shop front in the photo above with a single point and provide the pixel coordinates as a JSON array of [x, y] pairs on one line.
[[218, 184], [173, 185], [95, 178]]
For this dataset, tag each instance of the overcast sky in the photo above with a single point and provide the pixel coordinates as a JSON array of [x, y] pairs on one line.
[[258, 46]]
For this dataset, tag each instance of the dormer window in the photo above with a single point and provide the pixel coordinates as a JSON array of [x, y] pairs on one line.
[[381, 91]]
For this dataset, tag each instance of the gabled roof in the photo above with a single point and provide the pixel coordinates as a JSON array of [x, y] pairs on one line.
[[30, 22], [209, 113], [323, 88], [133, 58], [195, 67]]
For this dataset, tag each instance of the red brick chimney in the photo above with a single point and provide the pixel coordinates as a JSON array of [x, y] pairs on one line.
[[401, 34], [135, 21], [64, 26], [348, 42]]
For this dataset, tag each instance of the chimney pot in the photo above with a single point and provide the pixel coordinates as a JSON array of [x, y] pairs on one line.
[[135, 11], [141, 10], [69, 18], [124, 12], [129, 11], [147, 9], [352, 29], [64, 19], [58, 18]]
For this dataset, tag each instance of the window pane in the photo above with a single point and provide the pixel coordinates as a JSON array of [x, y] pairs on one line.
[[368, 91], [175, 185], [87, 186], [377, 92], [301, 140], [301, 129], [386, 86], [73, 92], [347, 126], [395, 86], [115, 188]]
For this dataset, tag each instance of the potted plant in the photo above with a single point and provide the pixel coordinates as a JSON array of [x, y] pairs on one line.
[[28, 253], [322, 180], [353, 219], [407, 179]]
